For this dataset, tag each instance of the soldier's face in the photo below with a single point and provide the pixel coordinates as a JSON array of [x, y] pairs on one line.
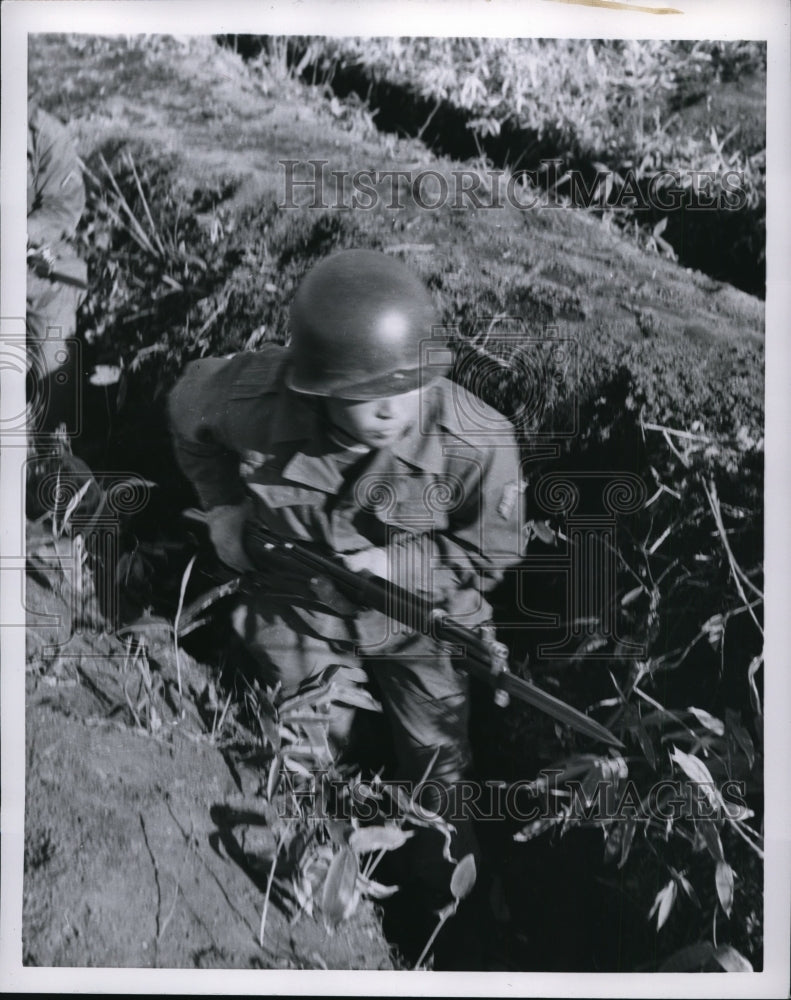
[[375, 422]]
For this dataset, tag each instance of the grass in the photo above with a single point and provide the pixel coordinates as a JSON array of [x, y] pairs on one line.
[[625, 115]]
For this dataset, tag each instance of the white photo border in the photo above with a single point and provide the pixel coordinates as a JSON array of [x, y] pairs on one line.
[[725, 19]]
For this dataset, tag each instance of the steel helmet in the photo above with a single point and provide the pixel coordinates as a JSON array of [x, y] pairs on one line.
[[357, 322]]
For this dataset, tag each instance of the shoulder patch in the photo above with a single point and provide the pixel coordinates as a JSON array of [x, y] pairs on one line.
[[507, 502]]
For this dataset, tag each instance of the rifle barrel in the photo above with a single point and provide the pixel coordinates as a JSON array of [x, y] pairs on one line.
[[483, 661]]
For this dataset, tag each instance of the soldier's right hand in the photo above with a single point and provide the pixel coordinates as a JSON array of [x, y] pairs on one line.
[[226, 526]]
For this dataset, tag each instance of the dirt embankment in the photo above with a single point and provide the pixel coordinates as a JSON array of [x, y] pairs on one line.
[[146, 845]]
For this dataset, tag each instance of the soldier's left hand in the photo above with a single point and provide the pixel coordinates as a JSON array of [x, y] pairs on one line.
[[374, 560]]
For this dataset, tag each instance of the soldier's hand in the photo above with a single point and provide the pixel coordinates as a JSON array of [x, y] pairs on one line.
[[326, 592], [226, 525], [41, 260], [374, 560]]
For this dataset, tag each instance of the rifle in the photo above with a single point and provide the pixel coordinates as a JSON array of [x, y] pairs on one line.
[[482, 657], [42, 261]]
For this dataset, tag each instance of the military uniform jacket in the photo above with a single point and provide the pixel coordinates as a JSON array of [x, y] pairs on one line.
[[444, 499], [55, 201]]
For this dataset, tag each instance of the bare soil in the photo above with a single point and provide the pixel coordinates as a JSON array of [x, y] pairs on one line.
[[145, 846]]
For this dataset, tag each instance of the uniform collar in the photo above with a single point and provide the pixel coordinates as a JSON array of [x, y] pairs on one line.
[[423, 444], [294, 418], [298, 420]]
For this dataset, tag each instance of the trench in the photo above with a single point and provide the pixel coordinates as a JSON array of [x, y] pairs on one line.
[[704, 230], [548, 905], [562, 910]]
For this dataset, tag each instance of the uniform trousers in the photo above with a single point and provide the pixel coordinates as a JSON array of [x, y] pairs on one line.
[[424, 698]]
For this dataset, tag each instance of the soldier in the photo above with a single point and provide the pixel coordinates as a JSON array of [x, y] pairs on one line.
[[56, 278], [344, 439]]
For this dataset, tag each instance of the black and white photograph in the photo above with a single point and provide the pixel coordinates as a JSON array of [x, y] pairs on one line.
[[394, 451]]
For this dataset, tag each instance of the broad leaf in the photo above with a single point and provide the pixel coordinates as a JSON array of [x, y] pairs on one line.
[[340, 896], [752, 670], [711, 838], [379, 838], [732, 960], [357, 697], [696, 771], [272, 778], [739, 736], [709, 721], [543, 532], [632, 595], [536, 828], [463, 879], [724, 880], [663, 903], [376, 890], [646, 745]]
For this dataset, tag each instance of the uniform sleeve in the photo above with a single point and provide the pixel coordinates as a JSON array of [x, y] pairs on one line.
[[455, 566], [483, 537], [59, 194], [198, 411]]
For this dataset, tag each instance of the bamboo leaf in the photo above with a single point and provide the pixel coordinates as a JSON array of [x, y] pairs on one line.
[[738, 735], [379, 838], [105, 375], [273, 778], [752, 670], [696, 771], [296, 767], [632, 595], [711, 838], [376, 890], [709, 721], [543, 532], [688, 888], [660, 227], [724, 881], [714, 628], [646, 745], [464, 875], [536, 828], [357, 697], [589, 645], [663, 903], [731, 960], [340, 895], [298, 702], [302, 891]]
